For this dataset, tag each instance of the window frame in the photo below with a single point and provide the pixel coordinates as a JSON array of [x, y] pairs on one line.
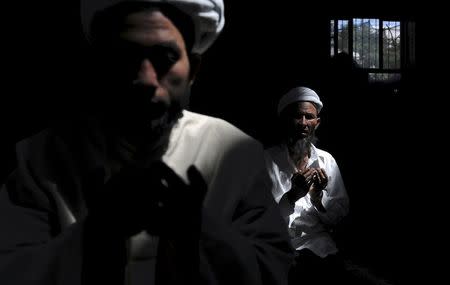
[[404, 48]]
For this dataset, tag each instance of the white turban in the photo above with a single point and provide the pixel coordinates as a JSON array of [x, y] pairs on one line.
[[207, 15], [299, 94]]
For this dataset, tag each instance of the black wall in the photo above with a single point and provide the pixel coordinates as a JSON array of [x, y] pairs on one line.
[[373, 131], [262, 53]]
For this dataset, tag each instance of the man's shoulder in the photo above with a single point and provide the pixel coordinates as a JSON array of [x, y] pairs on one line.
[[35, 142], [212, 144], [197, 118], [322, 152], [49, 149], [213, 125], [215, 135], [324, 155], [41, 156]]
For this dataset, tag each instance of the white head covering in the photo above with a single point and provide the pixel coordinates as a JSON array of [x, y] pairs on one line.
[[207, 15], [299, 94]]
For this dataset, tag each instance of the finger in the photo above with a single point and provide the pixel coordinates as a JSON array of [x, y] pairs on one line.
[[309, 172], [318, 178], [314, 175], [167, 177], [197, 182], [310, 178], [322, 173], [298, 180], [198, 189]]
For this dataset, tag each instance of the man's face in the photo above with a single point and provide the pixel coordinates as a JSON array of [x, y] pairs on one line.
[[145, 70], [301, 120]]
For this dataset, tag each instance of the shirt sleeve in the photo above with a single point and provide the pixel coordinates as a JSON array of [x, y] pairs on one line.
[[33, 250], [40, 240]]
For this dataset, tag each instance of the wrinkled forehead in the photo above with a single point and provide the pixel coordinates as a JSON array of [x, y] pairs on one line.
[[299, 107]]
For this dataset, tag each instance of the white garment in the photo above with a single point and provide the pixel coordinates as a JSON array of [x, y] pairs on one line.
[[308, 227], [198, 140], [43, 207]]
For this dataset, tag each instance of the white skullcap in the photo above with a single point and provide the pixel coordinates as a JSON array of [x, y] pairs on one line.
[[207, 15], [299, 94]]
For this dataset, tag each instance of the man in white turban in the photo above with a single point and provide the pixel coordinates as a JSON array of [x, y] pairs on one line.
[[136, 189], [309, 189]]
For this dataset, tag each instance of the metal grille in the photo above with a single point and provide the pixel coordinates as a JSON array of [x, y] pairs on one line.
[[366, 42], [391, 45], [373, 43]]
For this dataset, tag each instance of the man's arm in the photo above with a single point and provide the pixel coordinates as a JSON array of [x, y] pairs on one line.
[[33, 250], [43, 235]]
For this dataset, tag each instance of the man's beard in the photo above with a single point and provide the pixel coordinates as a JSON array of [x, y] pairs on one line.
[[155, 136], [299, 148], [144, 126]]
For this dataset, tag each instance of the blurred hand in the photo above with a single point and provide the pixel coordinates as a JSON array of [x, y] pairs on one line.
[[301, 183], [180, 204], [154, 199], [319, 183]]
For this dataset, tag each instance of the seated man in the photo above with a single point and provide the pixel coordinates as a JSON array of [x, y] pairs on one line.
[[309, 189]]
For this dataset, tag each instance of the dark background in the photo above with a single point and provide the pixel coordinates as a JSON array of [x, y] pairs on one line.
[[379, 137]]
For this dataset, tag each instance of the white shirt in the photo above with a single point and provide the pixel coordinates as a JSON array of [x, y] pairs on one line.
[[211, 145], [43, 210], [308, 227]]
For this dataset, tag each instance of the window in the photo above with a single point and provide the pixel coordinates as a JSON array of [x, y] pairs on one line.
[[376, 45]]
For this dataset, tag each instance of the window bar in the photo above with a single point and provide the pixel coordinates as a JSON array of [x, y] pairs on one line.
[[397, 48], [389, 43], [370, 47], [394, 41], [340, 33], [385, 46], [380, 44], [354, 37], [404, 53], [361, 56], [331, 38], [336, 36], [350, 36]]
